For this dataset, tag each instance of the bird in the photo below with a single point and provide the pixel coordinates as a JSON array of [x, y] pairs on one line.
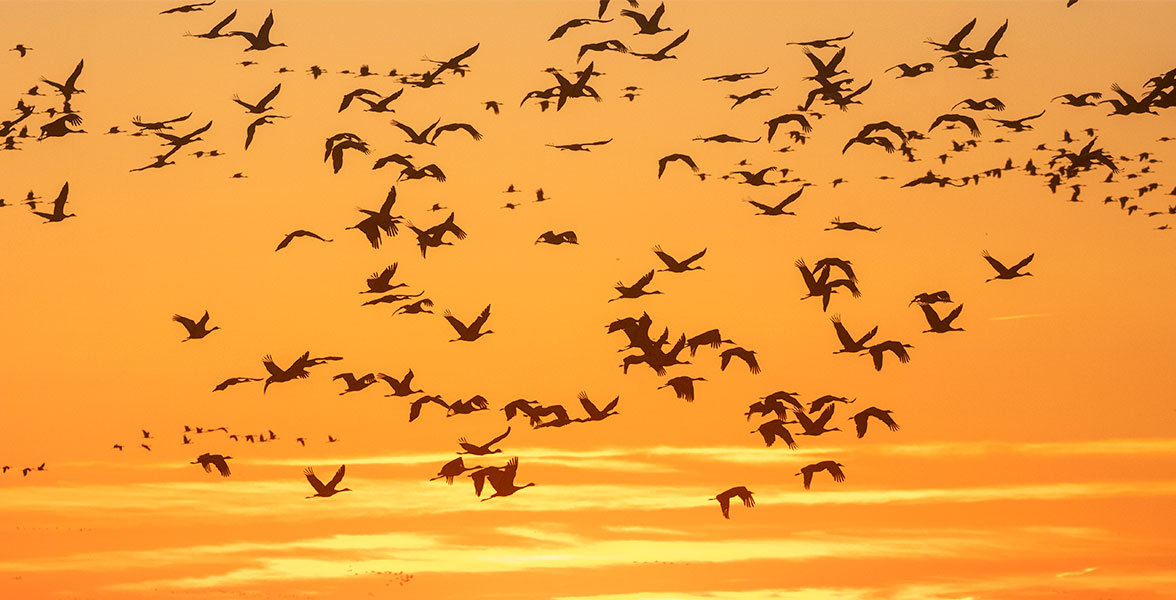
[[938, 325], [710, 338], [837, 223], [740, 492], [465, 407], [471, 332], [912, 71], [381, 105], [483, 449], [298, 233], [579, 147], [261, 39], [414, 409], [296, 370], [931, 297], [953, 45], [262, 105], [778, 209], [757, 178], [420, 306], [188, 8], [555, 239], [683, 386], [69, 88], [60, 127], [215, 32], [663, 161], [355, 384], [208, 461], [825, 43], [637, 289], [663, 54], [969, 122], [1078, 99], [748, 356], [773, 430], [815, 427], [752, 95], [899, 350], [733, 77], [252, 129], [594, 413], [503, 481], [328, 490], [400, 387], [196, 329], [58, 213], [986, 104], [826, 400], [224, 385], [1017, 124], [1003, 272], [22, 50], [673, 265], [860, 420], [833, 467], [647, 25], [776, 122], [562, 29], [373, 226]]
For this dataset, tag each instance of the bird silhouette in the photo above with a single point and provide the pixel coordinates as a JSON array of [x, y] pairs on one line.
[[647, 25], [733, 77], [1003, 272], [252, 129], [188, 8], [747, 356], [664, 54], [953, 45], [912, 71], [208, 461], [414, 409], [740, 492], [777, 209], [196, 329], [471, 332], [637, 289], [562, 29], [860, 420], [224, 385], [215, 32], [555, 239], [503, 481], [373, 226], [665, 160], [296, 234], [899, 350], [355, 384], [823, 43], [69, 88], [400, 387], [261, 39], [937, 324], [594, 413], [826, 400], [833, 467], [262, 105], [482, 449], [328, 490], [773, 430], [675, 266], [58, 213], [683, 386], [931, 297]]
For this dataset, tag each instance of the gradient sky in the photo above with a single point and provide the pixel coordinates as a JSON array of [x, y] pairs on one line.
[[1035, 457]]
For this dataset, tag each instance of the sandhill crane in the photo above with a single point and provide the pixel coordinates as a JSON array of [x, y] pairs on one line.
[[664, 54], [757, 178], [420, 306], [60, 126], [724, 499], [196, 329], [414, 409], [482, 449], [778, 209], [328, 490], [912, 71], [377, 223], [69, 88], [973, 128], [683, 386], [860, 419], [816, 426], [986, 104], [826, 400], [465, 407], [297, 370], [555, 239], [937, 324], [381, 281], [562, 29], [776, 402], [452, 469], [1017, 124], [748, 356], [262, 105], [471, 332], [799, 119], [775, 429], [675, 266], [665, 160], [401, 387], [833, 467], [838, 224], [637, 289], [898, 348], [355, 384], [647, 25], [733, 77], [594, 413], [58, 213], [830, 262], [710, 338], [521, 405], [298, 233], [198, 6], [224, 385], [503, 481], [261, 39], [208, 461], [1003, 272], [215, 32], [931, 297], [251, 130], [953, 45]]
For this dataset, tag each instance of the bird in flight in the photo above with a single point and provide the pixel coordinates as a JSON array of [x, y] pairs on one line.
[[777, 209], [328, 490], [825, 43], [471, 332], [261, 39], [262, 105], [579, 147], [208, 461], [58, 213], [188, 8], [860, 420], [481, 449], [665, 160], [937, 324], [675, 266], [637, 289], [833, 467], [1003, 272], [196, 329], [555, 239], [664, 54], [740, 492], [299, 233], [595, 413]]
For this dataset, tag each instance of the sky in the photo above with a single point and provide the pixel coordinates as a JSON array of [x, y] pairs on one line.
[[1034, 457]]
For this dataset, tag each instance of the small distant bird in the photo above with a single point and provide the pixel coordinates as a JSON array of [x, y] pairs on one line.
[[22, 49], [740, 492], [196, 329], [328, 490], [299, 233], [834, 469], [1003, 272], [188, 8]]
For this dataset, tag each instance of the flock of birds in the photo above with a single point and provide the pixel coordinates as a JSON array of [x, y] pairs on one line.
[[785, 416]]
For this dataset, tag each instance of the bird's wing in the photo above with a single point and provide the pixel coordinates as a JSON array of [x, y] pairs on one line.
[[995, 39], [675, 43], [932, 316], [644, 281], [481, 320], [59, 202], [1023, 262], [458, 127], [963, 33], [314, 481], [996, 264], [337, 478]]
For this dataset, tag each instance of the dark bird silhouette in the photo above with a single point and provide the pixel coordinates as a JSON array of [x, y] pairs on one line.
[[466, 127], [647, 25], [757, 178], [224, 385], [848, 342], [1078, 99], [860, 419], [196, 329], [299, 233], [594, 413], [22, 50], [208, 461], [261, 39], [747, 356], [555, 239], [733, 77], [381, 282], [953, 45], [400, 387], [825, 43], [328, 490], [664, 54], [683, 386], [58, 213], [262, 105], [381, 104], [562, 29], [1017, 124], [912, 71], [710, 338], [778, 209], [773, 430], [938, 325], [605, 46], [414, 409], [752, 95], [215, 32], [826, 400], [799, 119], [420, 306], [897, 348], [353, 383], [579, 147], [833, 467], [740, 492], [837, 223], [69, 88], [503, 481], [673, 265], [985, 104], [252, 129], [1003, 272], [483, 449], [663, 161], [969, 122], [815, 427], [373, 226], [471, 332], [188, 8], [465, 407], [723, 138], [931, 297], [637, 289], [60, 127]]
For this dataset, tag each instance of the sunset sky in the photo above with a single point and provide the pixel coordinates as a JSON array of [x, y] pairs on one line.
[[1035, 457]]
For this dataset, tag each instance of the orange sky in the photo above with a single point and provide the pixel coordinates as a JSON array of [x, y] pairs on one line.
[[1034, 459]]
